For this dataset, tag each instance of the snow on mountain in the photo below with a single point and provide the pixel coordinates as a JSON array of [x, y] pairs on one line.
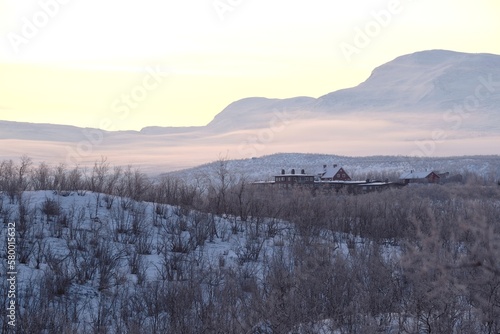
[[424, 81], [159, 130], [40, 132], [425, 104], [257, 112]]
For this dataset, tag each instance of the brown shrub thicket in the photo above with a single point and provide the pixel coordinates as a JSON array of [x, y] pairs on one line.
[[421, 259]]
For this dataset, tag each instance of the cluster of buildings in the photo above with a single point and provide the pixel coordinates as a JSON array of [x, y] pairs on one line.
[[335, 177]]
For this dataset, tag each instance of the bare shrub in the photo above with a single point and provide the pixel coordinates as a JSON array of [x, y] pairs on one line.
[[51, 208]]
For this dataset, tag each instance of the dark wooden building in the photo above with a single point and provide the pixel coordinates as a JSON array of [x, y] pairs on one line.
[[291, 179], [333, 173], [419, 177], [330, 179]]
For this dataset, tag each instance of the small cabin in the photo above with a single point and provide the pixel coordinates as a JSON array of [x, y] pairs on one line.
[[419, 177]]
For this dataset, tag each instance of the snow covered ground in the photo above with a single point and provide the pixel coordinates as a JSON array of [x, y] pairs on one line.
[[97, 263], [76, 249]]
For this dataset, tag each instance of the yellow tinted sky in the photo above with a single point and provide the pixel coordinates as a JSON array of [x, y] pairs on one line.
[[122, 64]]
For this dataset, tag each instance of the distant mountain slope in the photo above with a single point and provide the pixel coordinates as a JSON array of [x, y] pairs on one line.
[[40, 132], [427, 80], [429, 103], [257, 112]]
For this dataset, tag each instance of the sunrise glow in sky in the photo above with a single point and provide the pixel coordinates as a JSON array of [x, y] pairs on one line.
[[123, 64]]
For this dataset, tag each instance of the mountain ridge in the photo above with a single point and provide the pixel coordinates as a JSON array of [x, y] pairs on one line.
[[442, 68], [422, 79], [429, 103]]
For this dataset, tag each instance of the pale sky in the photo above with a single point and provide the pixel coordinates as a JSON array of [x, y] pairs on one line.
[[124, 64]]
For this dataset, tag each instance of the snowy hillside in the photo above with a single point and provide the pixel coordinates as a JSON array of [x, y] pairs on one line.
[[93, 256], [82, 246], [359, 168], [289, 262]]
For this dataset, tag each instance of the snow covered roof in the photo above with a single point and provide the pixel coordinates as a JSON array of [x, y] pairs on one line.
[[376, 184], [342, 182], [414, 175], [329, 172], [295, 172]]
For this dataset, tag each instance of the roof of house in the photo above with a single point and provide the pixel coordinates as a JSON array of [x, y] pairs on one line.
[[329, 172], [294, 172], [414, 175], [342, 182], [297, 174]]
